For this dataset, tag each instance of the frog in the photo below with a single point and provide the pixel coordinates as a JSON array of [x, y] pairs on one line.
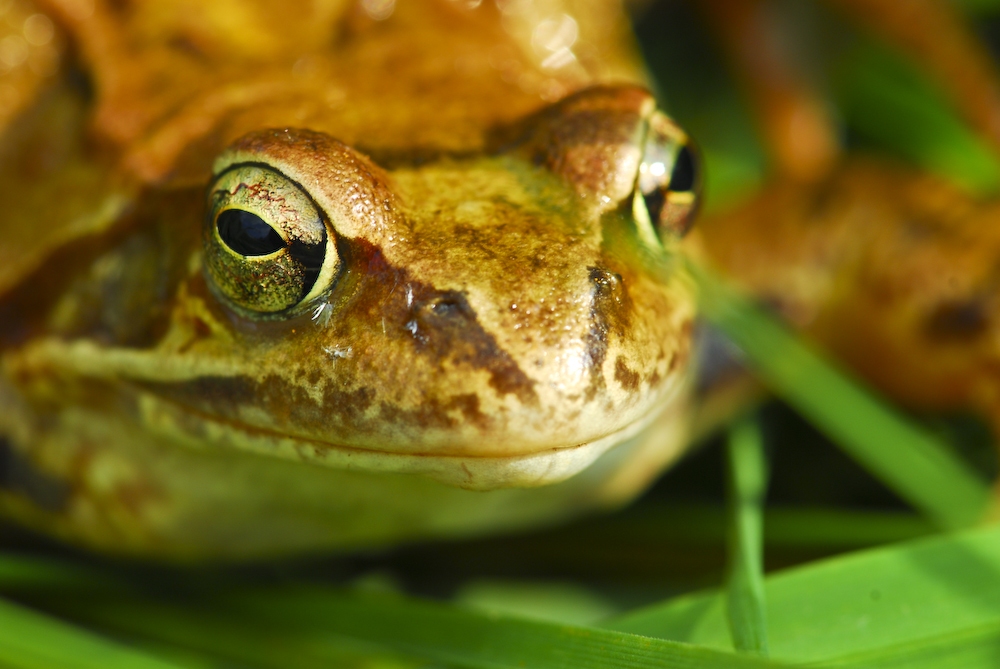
[[373, 272], [335, 279]]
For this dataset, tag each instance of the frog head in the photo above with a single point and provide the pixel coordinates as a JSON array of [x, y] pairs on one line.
[[489, 318]]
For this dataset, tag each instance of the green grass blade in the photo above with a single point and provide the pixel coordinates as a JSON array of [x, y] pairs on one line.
[[452, 635], [909, 460], [932, 603], [198, 626], [30, 640], [317, 620], [747, 485]]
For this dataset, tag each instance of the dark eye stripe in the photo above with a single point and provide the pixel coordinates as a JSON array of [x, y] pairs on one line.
[[248, 234]]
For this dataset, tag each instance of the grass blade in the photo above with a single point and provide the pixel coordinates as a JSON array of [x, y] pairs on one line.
[[198, 627], [452, 635], [910, 461], [930, 603], [314, 621], [30, 640], [747, 484]]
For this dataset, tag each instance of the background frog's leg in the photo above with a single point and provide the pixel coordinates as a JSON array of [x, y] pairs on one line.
[[934, 35], [797, 127]]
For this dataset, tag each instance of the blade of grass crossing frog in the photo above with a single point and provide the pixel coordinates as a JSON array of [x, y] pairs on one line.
[[747, 485], [928, 603], [30, 640], [918, 467]]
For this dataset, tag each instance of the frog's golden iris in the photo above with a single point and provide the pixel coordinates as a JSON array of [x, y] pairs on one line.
[[268, 251]]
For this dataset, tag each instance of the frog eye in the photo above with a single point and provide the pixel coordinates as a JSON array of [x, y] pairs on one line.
[[669, 183], [268, 251]]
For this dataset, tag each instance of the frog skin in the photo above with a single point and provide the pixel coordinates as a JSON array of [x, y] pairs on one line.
[[412, 273]]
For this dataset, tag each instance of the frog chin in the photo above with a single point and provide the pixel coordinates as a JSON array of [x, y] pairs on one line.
[[540, 468]]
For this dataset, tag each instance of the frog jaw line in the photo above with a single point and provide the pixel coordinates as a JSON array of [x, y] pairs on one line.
[[540, 468]]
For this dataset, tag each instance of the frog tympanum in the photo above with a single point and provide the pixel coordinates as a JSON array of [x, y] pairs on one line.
[[281, 281]]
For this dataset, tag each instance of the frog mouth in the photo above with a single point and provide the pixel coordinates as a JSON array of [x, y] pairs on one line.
[[470, 472]]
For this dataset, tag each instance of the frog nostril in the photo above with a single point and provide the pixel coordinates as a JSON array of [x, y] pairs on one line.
[[606, 283], [446, 307]]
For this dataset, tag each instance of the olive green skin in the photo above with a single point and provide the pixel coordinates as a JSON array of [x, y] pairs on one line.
[[499, 340]]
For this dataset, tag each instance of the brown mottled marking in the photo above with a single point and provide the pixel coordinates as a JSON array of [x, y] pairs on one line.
[[609, 313], [625, 376], [434, 413], [445, 325]]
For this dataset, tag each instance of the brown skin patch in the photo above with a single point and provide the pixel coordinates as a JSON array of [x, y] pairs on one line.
[[437, 414], [586, 137], [609, 314], [441, 324], [625, 376], [444, 325], [346, 411], [680, 357], [287, 402]]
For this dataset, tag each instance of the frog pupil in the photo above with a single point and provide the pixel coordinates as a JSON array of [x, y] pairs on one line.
[[248, 234], [682, 176], [654, 203]]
